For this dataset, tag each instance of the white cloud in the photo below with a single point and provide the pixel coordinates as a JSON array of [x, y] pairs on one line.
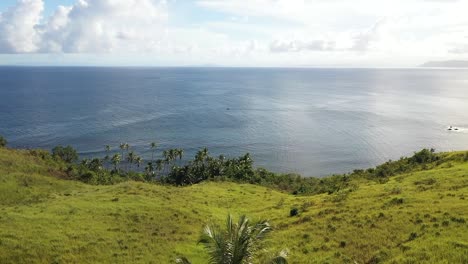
[[297, 45], [89, 26], [401, 27], [361, 41], [17, 27]]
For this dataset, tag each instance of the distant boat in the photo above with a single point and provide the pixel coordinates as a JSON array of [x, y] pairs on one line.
[[452, 128]]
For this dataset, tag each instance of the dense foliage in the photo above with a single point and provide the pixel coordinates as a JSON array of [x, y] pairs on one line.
[[171, 168], [68, 154]]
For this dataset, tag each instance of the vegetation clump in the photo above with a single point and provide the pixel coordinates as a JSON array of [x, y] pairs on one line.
[[294, 212], [3, 142], [238, 243], [171, 168], [68, 154]]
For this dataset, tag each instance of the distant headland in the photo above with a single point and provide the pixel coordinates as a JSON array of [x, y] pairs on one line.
[[446, 64]]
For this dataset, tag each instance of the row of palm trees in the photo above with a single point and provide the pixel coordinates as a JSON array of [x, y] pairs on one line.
[[127, 158], [169, 168]]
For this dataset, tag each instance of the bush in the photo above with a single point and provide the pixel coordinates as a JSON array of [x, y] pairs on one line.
[[294, 212], [412, 236], [67, 154], [3, 142], [42, 154], [89, 177], [424, 156], [460, 220], [396, 201]]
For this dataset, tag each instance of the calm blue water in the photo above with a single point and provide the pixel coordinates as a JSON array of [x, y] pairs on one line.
[[311, 121]]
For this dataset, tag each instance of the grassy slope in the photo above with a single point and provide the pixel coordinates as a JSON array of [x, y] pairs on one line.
[[47, 220]]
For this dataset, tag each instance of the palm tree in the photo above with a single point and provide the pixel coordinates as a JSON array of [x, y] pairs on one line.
[[159, 164], [131, 158], [169, 156], [180, 153], [153, 147], [166, 160], [107, 157], [149, 169], [116, 160], [138, 161], [201, 155], [122, 148], [237, 244]]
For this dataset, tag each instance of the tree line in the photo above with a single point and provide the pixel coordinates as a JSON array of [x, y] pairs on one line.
[[169, 166]]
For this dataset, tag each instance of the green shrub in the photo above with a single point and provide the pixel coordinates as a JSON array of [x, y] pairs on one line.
[[3, 142], [42, 154], [412, 236], [294, 212], [67, 154], [460, 220], [424, 156], [89, 177], [395, 201]]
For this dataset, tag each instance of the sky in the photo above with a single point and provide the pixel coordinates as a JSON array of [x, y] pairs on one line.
[[252, 33]]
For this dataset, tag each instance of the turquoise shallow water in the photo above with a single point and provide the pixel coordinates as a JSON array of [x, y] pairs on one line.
[[311, 121]]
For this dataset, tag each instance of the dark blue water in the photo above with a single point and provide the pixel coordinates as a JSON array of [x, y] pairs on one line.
[[311, 121]]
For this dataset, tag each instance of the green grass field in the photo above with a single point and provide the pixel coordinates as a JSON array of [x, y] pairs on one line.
[[418, 217]]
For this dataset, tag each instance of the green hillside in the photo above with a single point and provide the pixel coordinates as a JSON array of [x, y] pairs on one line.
[[417, 217]]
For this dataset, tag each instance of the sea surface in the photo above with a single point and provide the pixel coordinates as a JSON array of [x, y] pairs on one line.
[[310, 121]]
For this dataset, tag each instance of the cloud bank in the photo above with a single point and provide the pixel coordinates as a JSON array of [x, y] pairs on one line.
[[241, 32]]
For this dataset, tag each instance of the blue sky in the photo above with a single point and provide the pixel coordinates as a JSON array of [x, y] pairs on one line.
[[49, 5], [339, 33]]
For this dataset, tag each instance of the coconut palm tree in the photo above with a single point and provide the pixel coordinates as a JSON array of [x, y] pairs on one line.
[[116, 160], [122, 148], [153, 145], [159, 164], [166, 160], [107, 157], [130, 159], [149, 170], [237, 244], [201, 155], [179, 153], [138, 161]]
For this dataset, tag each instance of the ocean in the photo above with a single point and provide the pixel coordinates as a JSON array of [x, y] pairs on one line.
[[310, 121]]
